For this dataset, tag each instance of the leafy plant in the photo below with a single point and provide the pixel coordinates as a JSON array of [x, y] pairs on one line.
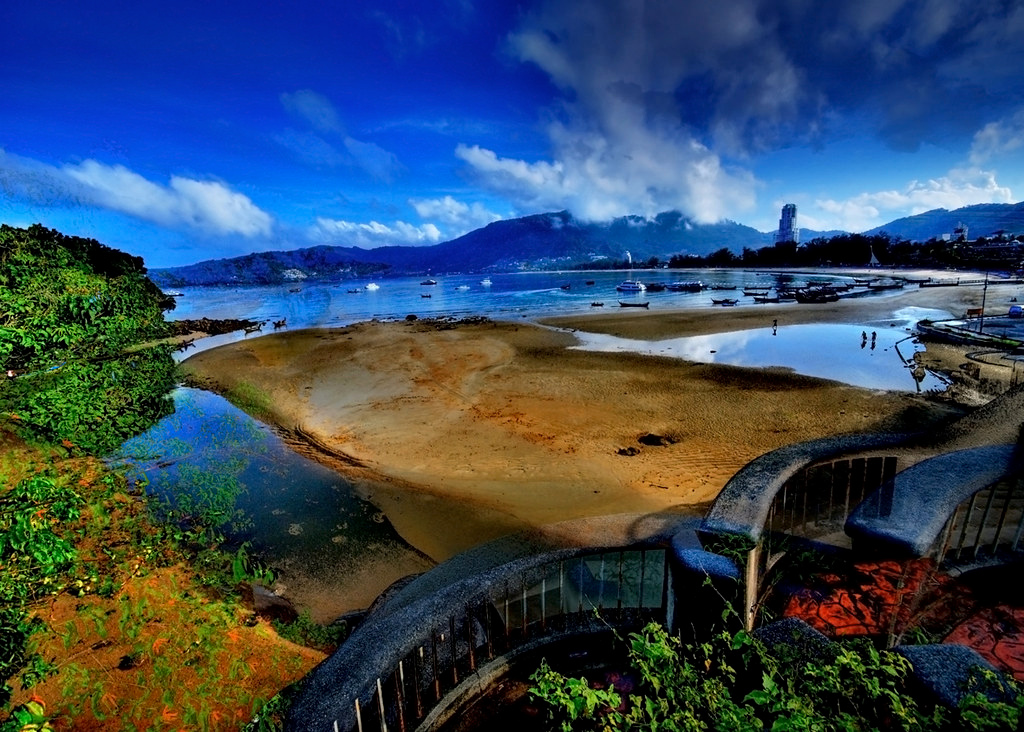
[[731, 682], [307, 632]]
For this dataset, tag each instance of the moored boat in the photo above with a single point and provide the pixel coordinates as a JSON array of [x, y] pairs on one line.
[[685, 286], [631, 286], [624, 304]]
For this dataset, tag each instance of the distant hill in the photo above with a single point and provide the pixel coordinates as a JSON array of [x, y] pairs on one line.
[[541, 241], [553, 240], [983, 219]]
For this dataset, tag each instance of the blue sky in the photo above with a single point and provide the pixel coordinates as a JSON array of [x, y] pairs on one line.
[[191, 130]]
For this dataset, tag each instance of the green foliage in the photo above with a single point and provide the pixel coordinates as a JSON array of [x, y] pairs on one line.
[[731, 682], [34, 561], [307, 632], [71, 310]]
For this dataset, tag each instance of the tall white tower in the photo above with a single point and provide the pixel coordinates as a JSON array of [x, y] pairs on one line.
[[788, 230]]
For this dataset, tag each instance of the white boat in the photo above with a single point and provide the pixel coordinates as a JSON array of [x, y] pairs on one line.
[[462, 288], [631, 286], [373, 286], [486, 282]]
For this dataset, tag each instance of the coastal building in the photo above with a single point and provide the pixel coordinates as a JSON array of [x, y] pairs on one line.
[[960, 232], [788, 231]]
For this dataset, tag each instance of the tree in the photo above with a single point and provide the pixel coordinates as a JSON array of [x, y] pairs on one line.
[[73, 314]]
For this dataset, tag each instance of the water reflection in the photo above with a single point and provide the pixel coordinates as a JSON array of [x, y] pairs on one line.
[[333, 551], [873, 357]]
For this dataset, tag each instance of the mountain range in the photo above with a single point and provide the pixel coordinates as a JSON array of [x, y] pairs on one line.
[[551, 241]]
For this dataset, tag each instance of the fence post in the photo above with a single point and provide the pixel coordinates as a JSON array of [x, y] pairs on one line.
[[751, 588]]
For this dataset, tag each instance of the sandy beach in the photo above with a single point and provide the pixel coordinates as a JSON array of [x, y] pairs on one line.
[[463, 434]]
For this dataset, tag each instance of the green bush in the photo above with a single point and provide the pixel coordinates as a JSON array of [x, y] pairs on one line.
[[731, 682]]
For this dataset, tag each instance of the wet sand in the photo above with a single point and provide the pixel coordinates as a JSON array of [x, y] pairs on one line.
[[465, 434]]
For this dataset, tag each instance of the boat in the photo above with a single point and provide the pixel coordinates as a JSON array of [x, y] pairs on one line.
[[353, 292], [624, 304], [724, 301], [425, 295], [462, 288], [685, 286], [295, 289], [886, 285], [756, 291], [174, 293], [655, 287], [429, 282], [280, 323], [590, 282], [631, 286], [486, 282], [373, 286], [765, 299], [565, 286], [816, 296], [597, 304]]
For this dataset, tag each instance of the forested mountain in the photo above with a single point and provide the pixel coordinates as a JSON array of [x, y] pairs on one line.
[[553, 240]]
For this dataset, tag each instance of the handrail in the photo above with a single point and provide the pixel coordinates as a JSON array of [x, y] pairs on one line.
[[743, 506], [442, 628]]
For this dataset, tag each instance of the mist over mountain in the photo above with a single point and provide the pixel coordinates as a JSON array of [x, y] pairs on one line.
[[550, 241]]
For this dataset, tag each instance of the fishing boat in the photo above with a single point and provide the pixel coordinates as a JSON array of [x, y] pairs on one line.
[[724, 301], [816, 296], [756, 291], [429, 282], [624, 304], [685, 286], [886, 285], [486, 282], [425, 295], [597, 304], [631, 285], [462, 288]]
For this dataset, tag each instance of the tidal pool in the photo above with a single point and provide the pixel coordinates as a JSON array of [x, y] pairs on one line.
[[332, 550], [874, 355]]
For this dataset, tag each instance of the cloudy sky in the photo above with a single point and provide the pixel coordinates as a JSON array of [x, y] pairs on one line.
[[188, 130]]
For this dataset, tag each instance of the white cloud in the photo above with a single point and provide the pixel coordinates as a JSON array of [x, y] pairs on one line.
[[314, 108], [206, 205], [374, 159], [961, 187], [618, 145], [998, 138], [373, 234], [457, 216], [314, 148]]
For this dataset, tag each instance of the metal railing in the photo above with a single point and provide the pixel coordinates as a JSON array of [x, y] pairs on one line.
[[815, 503], [987, 526], [460, 632]]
